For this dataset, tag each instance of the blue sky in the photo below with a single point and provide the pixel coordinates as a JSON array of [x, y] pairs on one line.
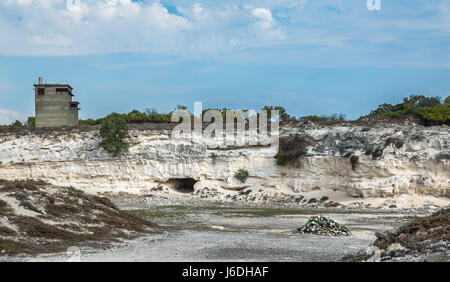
[[312, 57]]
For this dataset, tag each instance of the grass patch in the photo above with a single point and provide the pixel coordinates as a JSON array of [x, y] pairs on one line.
[[5, 231], [155, 213], [20, 185], [12, 247], [62, 210], [34, 227]]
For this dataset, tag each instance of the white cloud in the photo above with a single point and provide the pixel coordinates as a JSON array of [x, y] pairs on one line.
[[266, 23], [305, 29], [264, 15], [54, 28], [9, 116], [72, 27]]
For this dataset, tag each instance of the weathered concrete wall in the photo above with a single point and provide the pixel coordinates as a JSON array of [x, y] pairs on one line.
[[53, 108], [73, 120]]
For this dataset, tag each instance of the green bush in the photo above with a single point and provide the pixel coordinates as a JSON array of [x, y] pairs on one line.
[[447, 101], [284, 116], [31, 122], [113, 130], [291, 148], [442, 156], [241, 175], [136, 116], [437, 114], [377, 153], [17, 124], [429, 109], [313, 118], [395, 141], [354, 160], [88, 121], [325, 118]]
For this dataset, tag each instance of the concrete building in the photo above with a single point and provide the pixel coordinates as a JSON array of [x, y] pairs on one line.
[[54, 106]]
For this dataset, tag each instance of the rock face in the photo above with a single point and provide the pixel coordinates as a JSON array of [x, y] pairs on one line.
[[421, 239], [362, 161]]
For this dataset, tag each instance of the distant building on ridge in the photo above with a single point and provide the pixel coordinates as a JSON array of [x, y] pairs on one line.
[[54, 106]]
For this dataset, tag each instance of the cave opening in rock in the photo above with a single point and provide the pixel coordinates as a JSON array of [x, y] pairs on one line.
[[182, 185]]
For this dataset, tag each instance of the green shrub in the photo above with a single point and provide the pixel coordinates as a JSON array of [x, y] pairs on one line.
[[88, 121], [447, 101], [284, 116], [442, 156], [291, 148], [113, 130], [354, 160], [395, 141], [429, 109], [325, 118], [313, 118], [439, 113], [17, 124], [378, 152], [31, 122], [136, 116], [241, 175]]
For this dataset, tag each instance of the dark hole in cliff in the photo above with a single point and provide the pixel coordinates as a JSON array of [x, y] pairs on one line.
[[182, 185]]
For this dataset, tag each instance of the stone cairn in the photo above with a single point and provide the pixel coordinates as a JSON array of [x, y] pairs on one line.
[[320, 225]]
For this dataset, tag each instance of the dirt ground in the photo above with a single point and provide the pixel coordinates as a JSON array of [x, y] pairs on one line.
[[235, 233]]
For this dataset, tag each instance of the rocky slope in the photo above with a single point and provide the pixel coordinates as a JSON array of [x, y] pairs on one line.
[[359, 161], [36, 217], [422, 239]]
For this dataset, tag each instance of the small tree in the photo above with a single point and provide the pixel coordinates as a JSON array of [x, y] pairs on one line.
[[113, 130], [284, 116]]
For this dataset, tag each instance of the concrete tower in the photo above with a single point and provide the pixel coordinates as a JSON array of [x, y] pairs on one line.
[[54, 106]]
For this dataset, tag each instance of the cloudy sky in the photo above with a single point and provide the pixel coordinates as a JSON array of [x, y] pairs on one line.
[[310, 56]]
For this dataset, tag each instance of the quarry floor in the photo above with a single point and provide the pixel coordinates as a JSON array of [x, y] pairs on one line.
[[236, 233]]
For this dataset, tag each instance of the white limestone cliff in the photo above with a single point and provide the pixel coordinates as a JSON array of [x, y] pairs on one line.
[[411, 160]]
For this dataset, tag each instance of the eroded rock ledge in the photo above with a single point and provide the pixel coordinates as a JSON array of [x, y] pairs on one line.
[[362, 161]]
